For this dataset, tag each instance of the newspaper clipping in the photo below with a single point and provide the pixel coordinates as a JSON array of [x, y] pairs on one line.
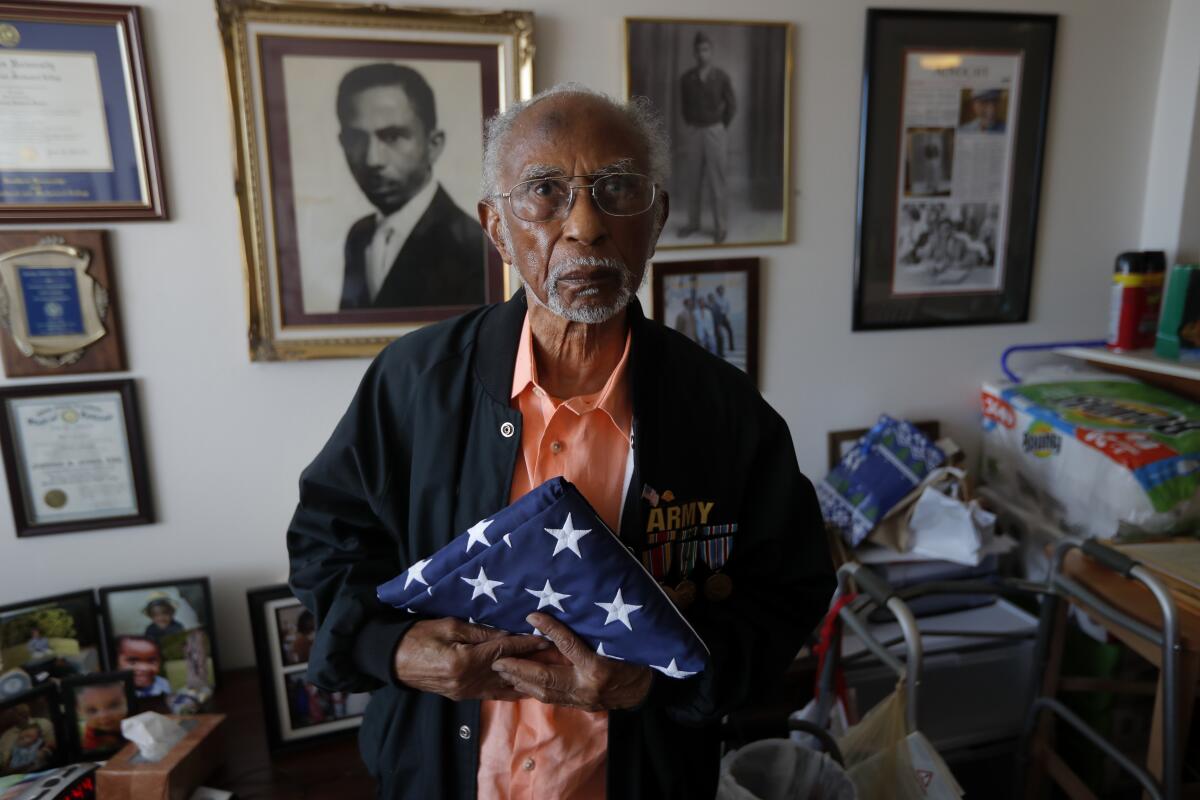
[[956, 150]]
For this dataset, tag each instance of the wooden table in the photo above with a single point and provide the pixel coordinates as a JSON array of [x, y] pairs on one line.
[[329, 769]]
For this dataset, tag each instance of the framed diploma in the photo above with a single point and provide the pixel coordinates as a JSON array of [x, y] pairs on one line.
[[76, 128], [57, 304], [953, 132], [73, 456]]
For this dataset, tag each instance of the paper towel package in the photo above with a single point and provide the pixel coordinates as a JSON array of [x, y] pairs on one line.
[[128, 776], [1100, 454]]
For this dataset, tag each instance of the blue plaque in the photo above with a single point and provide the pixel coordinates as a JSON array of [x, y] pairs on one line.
[[52, 306]]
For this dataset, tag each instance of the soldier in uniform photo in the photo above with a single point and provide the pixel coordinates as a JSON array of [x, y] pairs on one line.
[[708, 105], [418, 248]]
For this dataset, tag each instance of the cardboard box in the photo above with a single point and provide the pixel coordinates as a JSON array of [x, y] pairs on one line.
[[127, 777]]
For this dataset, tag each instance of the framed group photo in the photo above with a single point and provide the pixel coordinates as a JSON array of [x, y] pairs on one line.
[[162, 633], [360, 161], [723, 90], [954, 117], [77, 138], [297, 712], [57, 636], [74, 457], [714, 303]]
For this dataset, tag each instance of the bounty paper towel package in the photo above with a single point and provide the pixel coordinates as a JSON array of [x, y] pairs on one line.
[[1099, 453]]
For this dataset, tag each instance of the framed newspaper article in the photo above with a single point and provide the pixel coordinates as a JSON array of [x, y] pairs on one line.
[[954, 116]]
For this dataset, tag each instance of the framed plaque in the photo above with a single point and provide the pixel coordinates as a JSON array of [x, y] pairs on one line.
[[76, 127], [359, 162], [953, 133], [57, 304], [73, 456]]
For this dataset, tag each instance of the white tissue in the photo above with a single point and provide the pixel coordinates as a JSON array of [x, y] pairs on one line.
[[153, 733]]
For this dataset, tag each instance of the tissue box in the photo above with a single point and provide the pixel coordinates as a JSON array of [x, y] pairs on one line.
[[127, 776]]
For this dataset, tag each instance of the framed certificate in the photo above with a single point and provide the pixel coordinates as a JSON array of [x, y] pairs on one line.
[[76, 128], [73, 456]]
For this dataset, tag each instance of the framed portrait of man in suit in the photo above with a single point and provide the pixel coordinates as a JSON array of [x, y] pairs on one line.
[[360, 159]]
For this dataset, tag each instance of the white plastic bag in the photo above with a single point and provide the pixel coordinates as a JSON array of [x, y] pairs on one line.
[[780, 769], [948, 529]]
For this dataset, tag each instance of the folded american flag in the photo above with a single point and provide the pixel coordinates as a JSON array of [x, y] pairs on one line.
[[551, 552]]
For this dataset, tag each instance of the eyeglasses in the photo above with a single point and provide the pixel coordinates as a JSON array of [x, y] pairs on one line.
[[618, 194]]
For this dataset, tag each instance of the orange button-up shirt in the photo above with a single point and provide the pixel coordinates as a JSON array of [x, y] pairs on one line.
[[528, 749]]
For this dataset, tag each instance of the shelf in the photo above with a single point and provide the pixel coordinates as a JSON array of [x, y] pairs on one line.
[[1142, 360]]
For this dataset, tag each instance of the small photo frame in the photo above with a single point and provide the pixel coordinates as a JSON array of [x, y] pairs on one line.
[[73, 456], [713, 303], [723, 88], [95, 705], [163, 634], [297, 712], [31, 732], [55, 637], [81, 143]]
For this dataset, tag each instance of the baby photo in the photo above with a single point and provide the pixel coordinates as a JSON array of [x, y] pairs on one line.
[[96, 705], [29, 732]]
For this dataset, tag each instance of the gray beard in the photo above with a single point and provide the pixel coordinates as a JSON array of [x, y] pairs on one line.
[[588, 315]]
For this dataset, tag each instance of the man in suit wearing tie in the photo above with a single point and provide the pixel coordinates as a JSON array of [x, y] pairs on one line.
[[419, 248]]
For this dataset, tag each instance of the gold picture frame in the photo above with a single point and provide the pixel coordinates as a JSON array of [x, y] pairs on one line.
[[298, 183], [736, 146]]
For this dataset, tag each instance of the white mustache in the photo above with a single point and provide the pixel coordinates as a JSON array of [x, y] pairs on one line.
[[563, 267]]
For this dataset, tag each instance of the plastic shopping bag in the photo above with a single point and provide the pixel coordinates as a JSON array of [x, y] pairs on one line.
[[885, 762], [780, 769]]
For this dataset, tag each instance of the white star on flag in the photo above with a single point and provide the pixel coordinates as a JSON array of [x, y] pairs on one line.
[[483, 585], [414, 573], [600, 652], [475, 534], [568, 538], [671, 671], [507, 540], [548, 597], [618, 610]]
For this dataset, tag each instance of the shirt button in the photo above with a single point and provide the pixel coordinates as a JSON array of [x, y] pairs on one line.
[[556, 447], [537, 390], [507, 429], [529, 765], [464, 732]]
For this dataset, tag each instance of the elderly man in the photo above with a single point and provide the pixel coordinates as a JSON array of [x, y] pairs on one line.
[[568, 377]]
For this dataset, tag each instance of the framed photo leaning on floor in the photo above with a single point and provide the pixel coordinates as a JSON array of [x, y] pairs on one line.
[[723, 88], [953, 130]]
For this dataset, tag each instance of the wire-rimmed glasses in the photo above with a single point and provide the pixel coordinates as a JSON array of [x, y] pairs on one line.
[[619, 194]]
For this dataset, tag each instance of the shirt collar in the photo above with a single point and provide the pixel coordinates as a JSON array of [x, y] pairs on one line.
[[406, 217], [613, 399]]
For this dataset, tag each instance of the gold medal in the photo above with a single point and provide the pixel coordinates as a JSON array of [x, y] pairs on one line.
[[718, 587], [685, 594]]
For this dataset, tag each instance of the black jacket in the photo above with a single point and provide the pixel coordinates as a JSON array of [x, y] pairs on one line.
[[421, 455], [442, 263]]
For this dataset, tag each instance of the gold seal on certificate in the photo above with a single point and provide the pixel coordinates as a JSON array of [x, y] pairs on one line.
[[51, 306]]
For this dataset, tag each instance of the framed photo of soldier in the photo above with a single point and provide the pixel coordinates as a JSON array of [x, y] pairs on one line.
[[297, 712], [73, 456], [723, 89], [360, 153], [77, 137], [713, 303], [953, 132], [58, 304]]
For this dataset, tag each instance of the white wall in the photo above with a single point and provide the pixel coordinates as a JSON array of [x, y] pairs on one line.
[[228, 438]]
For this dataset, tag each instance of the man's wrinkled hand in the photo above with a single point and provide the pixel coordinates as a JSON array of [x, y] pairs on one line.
[[454, 659], [579, 679]]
